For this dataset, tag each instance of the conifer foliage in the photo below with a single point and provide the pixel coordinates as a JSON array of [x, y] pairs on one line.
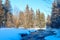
[[5, 13], [26, 19], [55, 17]]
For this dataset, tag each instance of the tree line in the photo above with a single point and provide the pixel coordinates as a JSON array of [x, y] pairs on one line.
[[26, 19], [30, 19]]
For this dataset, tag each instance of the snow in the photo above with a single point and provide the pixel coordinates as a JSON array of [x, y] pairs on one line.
[[36, 28], [12, 33], [15, 33], [54, 37], [51, 34]]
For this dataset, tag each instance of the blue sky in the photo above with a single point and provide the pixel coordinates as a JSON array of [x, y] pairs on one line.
[[43, 5]]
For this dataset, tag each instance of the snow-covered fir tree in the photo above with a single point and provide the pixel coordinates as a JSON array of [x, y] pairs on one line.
[[55, 17]]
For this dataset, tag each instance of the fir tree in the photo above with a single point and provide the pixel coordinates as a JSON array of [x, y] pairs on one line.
[[42, 20], [9, 14], [31, 14], [48, 22], [1, 13], [21, 18], [55, 17], [38, 18], [27, 11]]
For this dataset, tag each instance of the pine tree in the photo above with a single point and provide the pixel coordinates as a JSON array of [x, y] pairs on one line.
[[21, 18], [38, 18], [48, 23], [9, 14], [31, 14], [7, 5], [1, 13], [0, 3], [55, 17], [42, 20], [9, 22], [27, 11]]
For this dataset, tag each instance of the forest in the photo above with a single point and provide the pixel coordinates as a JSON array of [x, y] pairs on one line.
[[26, 19]]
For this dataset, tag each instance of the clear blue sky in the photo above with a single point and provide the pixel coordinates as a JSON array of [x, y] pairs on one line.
[[44, 5]]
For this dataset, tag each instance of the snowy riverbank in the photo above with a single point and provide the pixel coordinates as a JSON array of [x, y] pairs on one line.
[[12, 33], [22, 33]]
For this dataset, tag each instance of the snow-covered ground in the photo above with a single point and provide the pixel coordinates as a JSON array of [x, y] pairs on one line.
[[15, 33], [12, 33], [54, 37], [51, 34]]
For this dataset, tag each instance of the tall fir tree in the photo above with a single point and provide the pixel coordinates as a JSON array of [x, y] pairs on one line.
[[31, 14], [21, 18], [2, 14], [42, 20], [9, 14], [7, 5], [27, 11], [55, 17], [48, 21], [38, 18]]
